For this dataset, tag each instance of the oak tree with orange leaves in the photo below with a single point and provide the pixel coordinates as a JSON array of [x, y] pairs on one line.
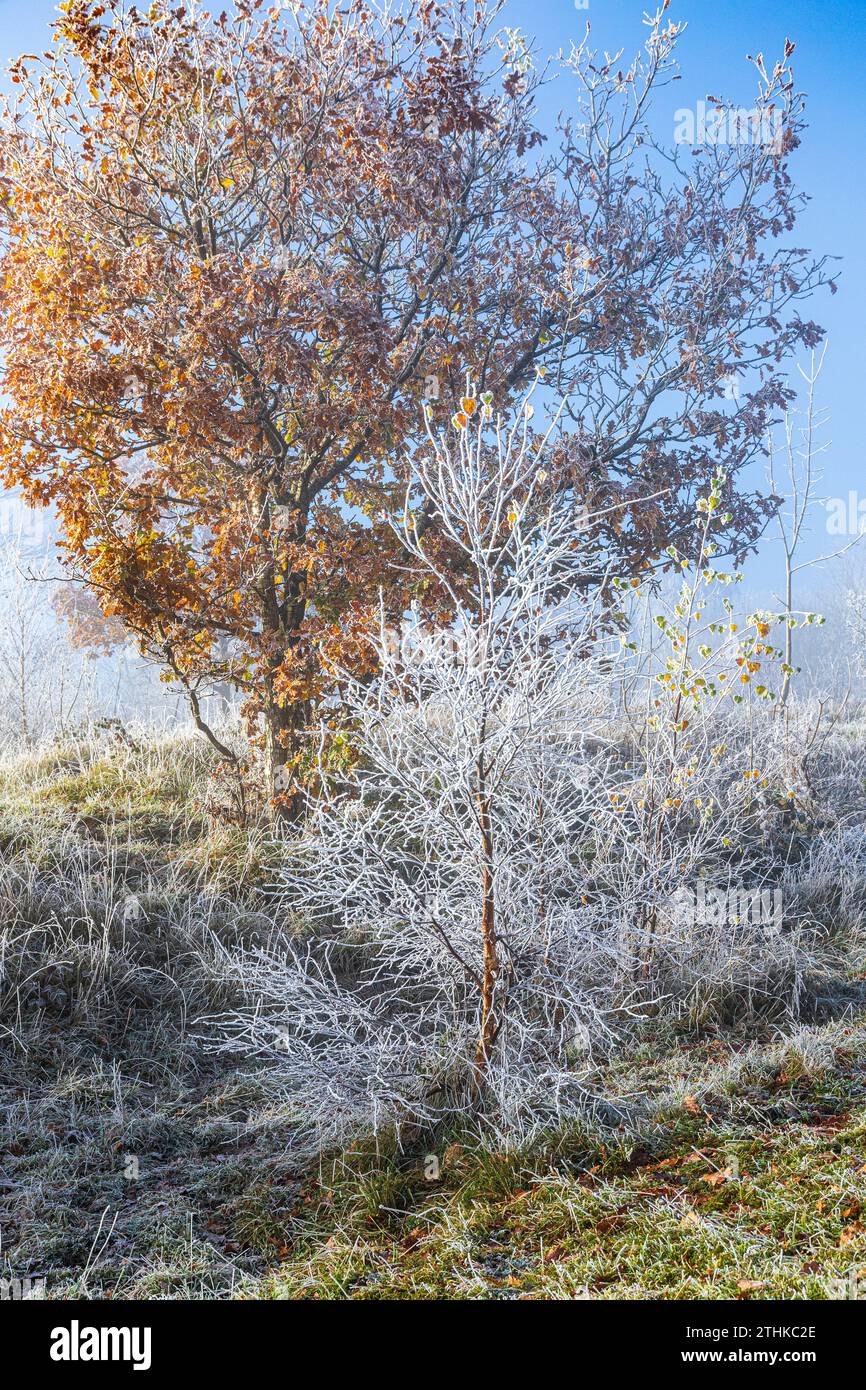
[[239, 252]]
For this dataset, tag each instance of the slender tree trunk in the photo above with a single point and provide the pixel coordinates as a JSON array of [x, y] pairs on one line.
[[22, 693], [789, 651], [222, 689], [488, 1027]]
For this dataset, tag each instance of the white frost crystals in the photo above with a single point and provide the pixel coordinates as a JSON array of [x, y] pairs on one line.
[[448, 954], [466, 930]]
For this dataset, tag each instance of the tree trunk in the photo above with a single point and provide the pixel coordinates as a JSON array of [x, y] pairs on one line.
[[285, 721], [284, 726], [789, 651], [488, 1027]]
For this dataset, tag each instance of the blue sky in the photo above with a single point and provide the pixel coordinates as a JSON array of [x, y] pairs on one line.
[[829, 65]]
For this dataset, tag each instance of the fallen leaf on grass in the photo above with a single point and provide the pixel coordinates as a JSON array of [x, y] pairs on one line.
[[609, 1223], [676, 1162], [721, 1175], [554, 1254], [747, 1286], [413, 1238]]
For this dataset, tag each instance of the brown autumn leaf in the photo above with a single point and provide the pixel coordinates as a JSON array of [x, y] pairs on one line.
[[676, 1162], [748, 1286], [610, 1223], [555, 1253], [715, 1179]]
